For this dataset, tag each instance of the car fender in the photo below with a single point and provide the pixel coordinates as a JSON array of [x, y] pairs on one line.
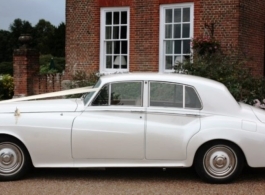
[[252, 144], [15, 135]]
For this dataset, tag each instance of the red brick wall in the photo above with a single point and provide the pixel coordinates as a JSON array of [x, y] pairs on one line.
[[225, 17], [47, 83], [83, 29], [252, 33], [82, 36]]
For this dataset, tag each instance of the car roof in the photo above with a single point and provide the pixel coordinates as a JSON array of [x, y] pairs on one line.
[[169, 77]]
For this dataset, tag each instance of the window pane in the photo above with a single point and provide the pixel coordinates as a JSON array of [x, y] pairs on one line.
[[116, 32], [166, 95], [168, 31], [186, 47], [177, 47], [116, 47], [186, 31], [120, 62], [124, 17], [128, 93], [103, 97], [191, 98], [169, 47], [124, 62], [109, 47], [108, 61], [168, 15], [116, 18], [177, 60], [124, 48], [168, 62], [123, 32], [177, 15], [108, 18], [177, 29], [108, 32], [116, 62], [186, 14]]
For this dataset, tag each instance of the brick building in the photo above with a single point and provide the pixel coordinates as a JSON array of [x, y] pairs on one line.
[[151, 35]]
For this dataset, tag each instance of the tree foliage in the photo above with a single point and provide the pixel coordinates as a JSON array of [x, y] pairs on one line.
[[6, 68], [43, 36], [17, 28], [45, 64], [5, 49]]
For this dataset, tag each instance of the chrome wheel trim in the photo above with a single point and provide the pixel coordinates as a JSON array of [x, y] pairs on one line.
[[11, 158], [220, 161]]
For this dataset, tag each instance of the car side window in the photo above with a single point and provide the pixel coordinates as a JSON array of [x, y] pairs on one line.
[[166, 94], [126, 93], [163, 94], [120, 94], [191, 98], [102, 98]]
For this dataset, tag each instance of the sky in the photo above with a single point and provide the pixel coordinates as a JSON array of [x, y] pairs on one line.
[[31, 11]]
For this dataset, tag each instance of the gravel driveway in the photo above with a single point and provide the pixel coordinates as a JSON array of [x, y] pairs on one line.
[[129, 181]]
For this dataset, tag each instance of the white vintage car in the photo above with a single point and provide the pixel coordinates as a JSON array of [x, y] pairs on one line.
[[134, 120]]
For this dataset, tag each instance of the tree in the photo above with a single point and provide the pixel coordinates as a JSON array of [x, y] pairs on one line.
[[43, 36], [46, 38], [17, 28], [58, 41], [5, 48]]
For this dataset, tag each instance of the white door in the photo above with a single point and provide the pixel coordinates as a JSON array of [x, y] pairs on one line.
[[172, 119], [112, 127]]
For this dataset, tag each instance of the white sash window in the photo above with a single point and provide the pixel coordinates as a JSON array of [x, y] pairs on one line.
[[114, 43], [176, 32]]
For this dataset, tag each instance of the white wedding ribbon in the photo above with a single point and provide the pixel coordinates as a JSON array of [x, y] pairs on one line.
[[53, 94]]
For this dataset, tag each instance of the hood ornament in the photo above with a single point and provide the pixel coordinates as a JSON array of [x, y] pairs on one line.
[[17, 112]]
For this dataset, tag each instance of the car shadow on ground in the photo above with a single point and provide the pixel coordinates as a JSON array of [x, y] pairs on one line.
[[134, 174]]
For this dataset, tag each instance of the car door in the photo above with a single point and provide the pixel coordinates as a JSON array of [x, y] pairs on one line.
[[112, 127], [173, 117]]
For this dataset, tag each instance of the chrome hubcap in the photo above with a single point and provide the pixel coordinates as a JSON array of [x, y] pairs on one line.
[[220, 161], [11, 158]]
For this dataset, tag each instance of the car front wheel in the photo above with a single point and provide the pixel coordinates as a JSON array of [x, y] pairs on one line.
[[14, 160], [219, 162]]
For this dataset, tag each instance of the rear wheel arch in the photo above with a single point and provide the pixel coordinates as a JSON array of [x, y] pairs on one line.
[[215, 141]]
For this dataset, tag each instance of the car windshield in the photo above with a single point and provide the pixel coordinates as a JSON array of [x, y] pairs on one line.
[[87, 96]]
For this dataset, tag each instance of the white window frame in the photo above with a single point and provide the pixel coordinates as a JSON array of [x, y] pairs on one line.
[[102, 55], [162, 30]]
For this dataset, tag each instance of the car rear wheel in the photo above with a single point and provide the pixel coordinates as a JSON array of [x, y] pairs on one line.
[[219, 162], [14, 160]]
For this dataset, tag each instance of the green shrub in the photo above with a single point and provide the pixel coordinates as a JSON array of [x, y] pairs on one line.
[[82, 79], [230, 69], [6, 86]]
